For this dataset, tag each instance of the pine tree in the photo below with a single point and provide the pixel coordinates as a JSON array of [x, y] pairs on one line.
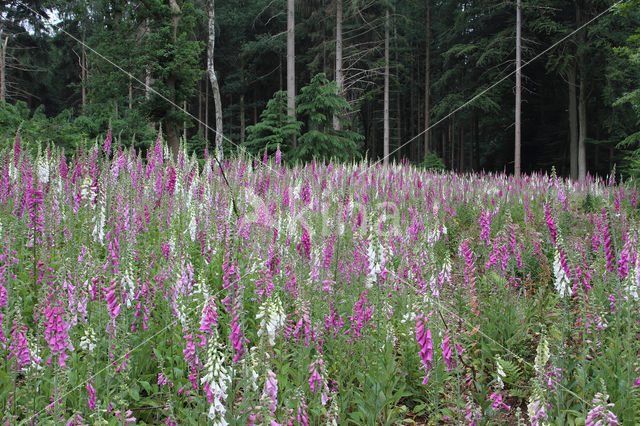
[[274, 129], [319, 102]]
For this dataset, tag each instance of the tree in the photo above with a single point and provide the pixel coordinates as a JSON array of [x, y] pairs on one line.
[[214, 79], [386, 90], [318, 103], [274, 129], [427, 79], [337, 125], [631, 51], [291, 62], [518, 93]]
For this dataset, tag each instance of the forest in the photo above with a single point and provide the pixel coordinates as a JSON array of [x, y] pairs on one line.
[[361, 78]]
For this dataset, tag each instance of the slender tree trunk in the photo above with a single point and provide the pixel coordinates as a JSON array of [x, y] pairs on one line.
[[462, 150], [83, 72], [573, 122], [147, 84], [476, 138], [582, 100], [148, 81], [443, 144], [280, 86], [214, 79], [399, 154], [427, 81], [200, 107], [172, 127], [243, 120], [516, 164], [255, 107], [582, 132], [412, 103], [472, 147], [184, 123], [386, 91], [3, 67], [291, 63], [206, 112], [337, 125], [130, 94], [452, 141]]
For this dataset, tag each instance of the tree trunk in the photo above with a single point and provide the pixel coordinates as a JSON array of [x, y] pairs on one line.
[[172, 128], [291, 63], [412, 104], [573, 123], [243, 122], [582, 132], [443, 142], [200, 107], [214, 80], [337, 125], [582, 100], [130, 93], [516, 164], [427, 81], [399, 154], [184, 123], [206, 112], [385, 142], [148, 81], [461, 151], [476, 138], [147, 84], [452, 141], [83, 72], [255, 107], [3, 67]]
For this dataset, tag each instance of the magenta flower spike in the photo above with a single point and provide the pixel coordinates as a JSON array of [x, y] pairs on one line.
[[446, 353], [425, 343]]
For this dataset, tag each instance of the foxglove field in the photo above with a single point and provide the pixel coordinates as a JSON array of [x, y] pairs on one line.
[[139, 289]]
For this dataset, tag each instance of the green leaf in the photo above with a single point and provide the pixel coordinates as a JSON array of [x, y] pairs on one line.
[[133, 393]]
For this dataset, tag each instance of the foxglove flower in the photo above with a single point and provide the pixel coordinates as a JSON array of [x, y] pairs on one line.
[[600, 414], [18, 347], [215, 383], [16, 150], [317, 380], [271, 391], [550, 223], [537, 412], [425, 343], [113, 306], [237, 338], [446, 353], [272, 317], [56, 334], [91, 401], [562, 281], [498, 403], [485, 225]]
